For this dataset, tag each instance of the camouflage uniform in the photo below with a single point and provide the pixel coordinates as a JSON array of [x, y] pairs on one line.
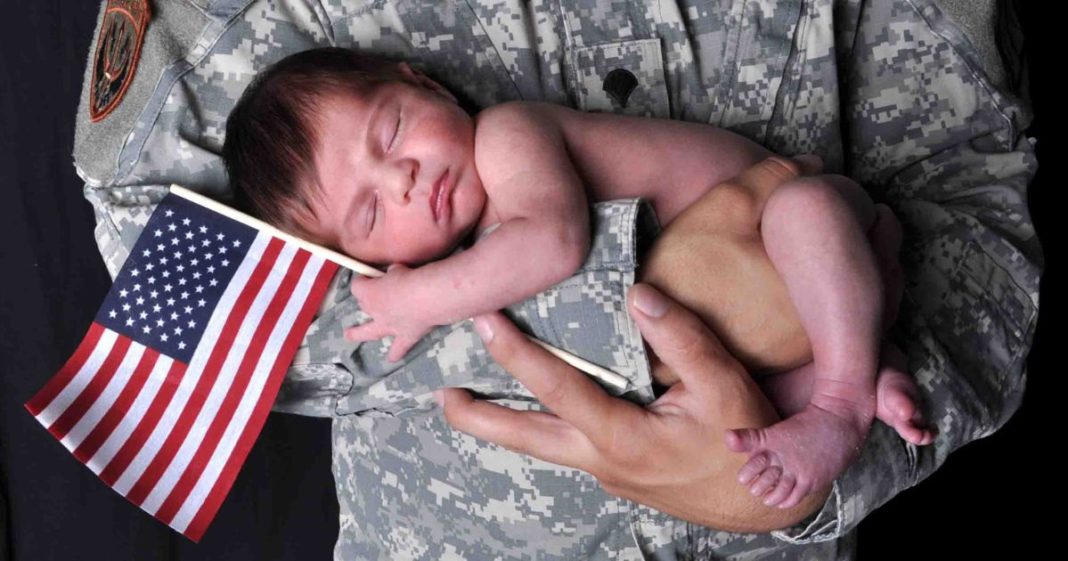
[[894, 93]]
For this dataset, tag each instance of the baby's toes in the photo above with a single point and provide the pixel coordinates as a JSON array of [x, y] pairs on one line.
[[745, 440], [766, 481], [754, 467], [782, 491], [800, 491]]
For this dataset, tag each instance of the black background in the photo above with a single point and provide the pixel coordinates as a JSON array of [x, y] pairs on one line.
[[985, 503]]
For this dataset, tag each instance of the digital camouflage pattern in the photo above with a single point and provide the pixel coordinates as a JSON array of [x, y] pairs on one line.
[[891, 93]]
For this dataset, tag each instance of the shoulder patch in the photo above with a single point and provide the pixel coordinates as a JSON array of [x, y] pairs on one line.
[[117, 50]]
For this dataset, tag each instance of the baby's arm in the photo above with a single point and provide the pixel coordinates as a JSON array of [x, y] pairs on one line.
[[536, 195]]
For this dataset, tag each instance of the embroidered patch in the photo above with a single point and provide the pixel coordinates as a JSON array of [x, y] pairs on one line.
[[619, 84], [117, 50]]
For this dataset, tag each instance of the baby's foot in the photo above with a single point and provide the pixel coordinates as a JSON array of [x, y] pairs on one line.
[[805, 452], [897, 398]]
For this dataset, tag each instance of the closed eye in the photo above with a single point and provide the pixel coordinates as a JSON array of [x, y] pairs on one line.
[[372, 214], [396, 133]]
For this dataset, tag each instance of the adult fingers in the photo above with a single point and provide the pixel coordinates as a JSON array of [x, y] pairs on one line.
[[533, 433], [679, 338], [400, 347], [566, 391], [369, 331]]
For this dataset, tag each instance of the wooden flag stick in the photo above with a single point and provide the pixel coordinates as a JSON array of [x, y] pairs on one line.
[[366, 270]]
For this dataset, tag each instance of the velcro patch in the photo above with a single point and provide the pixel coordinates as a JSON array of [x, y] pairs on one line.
[[117, 50]]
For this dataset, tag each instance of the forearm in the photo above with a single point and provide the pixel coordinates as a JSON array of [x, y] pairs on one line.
[[519, 259]]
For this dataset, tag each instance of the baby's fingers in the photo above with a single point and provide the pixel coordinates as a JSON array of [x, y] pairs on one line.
[[369, 331], [400, 347]]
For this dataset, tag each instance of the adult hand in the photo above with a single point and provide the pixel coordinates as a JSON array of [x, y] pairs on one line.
[[669, 455]]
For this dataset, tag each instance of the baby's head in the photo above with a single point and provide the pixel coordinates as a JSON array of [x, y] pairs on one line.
[[358, 153]]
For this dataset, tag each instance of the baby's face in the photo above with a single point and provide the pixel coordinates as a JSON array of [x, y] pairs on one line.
[[396, 173]]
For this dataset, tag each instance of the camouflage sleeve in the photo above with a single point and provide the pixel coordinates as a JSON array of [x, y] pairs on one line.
[[933, 138]]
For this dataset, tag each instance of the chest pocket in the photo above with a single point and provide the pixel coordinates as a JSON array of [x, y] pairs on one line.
[[623, 77]]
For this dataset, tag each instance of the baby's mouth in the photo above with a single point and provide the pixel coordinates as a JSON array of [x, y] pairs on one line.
[[439, 196]]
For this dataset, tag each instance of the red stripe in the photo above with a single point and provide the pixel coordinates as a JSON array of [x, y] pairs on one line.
[[92, 390], [137, 438], [55, 385], [221, 348], [237, 389], [218, 492], [103, 429]]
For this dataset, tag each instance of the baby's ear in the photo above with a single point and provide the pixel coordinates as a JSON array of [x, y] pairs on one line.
[[425, 81]]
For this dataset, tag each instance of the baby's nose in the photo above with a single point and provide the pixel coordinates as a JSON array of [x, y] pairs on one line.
[[403, 181]]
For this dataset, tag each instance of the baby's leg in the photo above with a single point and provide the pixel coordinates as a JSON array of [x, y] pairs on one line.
[[814, 231]]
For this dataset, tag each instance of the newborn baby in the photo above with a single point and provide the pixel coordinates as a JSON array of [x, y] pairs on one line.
[[380, 162]]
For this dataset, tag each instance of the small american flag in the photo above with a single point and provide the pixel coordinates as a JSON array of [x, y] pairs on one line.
[[172, 384]]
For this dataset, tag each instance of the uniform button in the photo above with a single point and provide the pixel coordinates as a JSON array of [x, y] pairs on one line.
[[619, 84]]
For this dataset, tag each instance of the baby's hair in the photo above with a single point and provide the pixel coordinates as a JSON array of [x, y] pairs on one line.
[[270, 134]]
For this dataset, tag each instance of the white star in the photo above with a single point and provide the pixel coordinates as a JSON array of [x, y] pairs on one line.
[[201, 302], [174, 241], [203, 229], [220, 237], [194, 262], [135, 272], [171, 227], [150, 266], [137, 287], [181, 282], [174, 316], [185, 222], [151, 280], [237, 243], [177, 254], [185, 295], [205, 243], [153, 294], [167, 287], [143, 316], [112, 314], [159, 247], [192, 324], [129, 322], [159, 322], [199, 289], [177, 330], [211, 268], [146, 330], [166, 274], [163, 337], [189, 235], [196, 274], [208, 256], [170, 213], [222, 250], [225, 262], [188, 310], [181, 345], [170, 301], [180, 268], [125, 307], [140, 301], [158, 232], [156, 308], [123, 293], [162, 260], [146, 253], [213, 282], [192, 248]]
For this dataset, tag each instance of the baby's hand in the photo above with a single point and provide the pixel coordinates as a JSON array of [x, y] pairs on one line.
[[384, 300]]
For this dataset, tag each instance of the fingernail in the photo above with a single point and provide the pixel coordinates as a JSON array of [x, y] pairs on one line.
[[483, 328], [650, 302], [439, 396]]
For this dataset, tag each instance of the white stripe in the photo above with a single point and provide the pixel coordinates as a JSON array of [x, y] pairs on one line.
[[196, 366], [129, 421], [77, 384], [250, 398], [106, 398], [246, 331]]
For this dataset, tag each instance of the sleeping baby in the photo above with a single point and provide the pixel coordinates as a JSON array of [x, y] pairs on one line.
[[472, 214]]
